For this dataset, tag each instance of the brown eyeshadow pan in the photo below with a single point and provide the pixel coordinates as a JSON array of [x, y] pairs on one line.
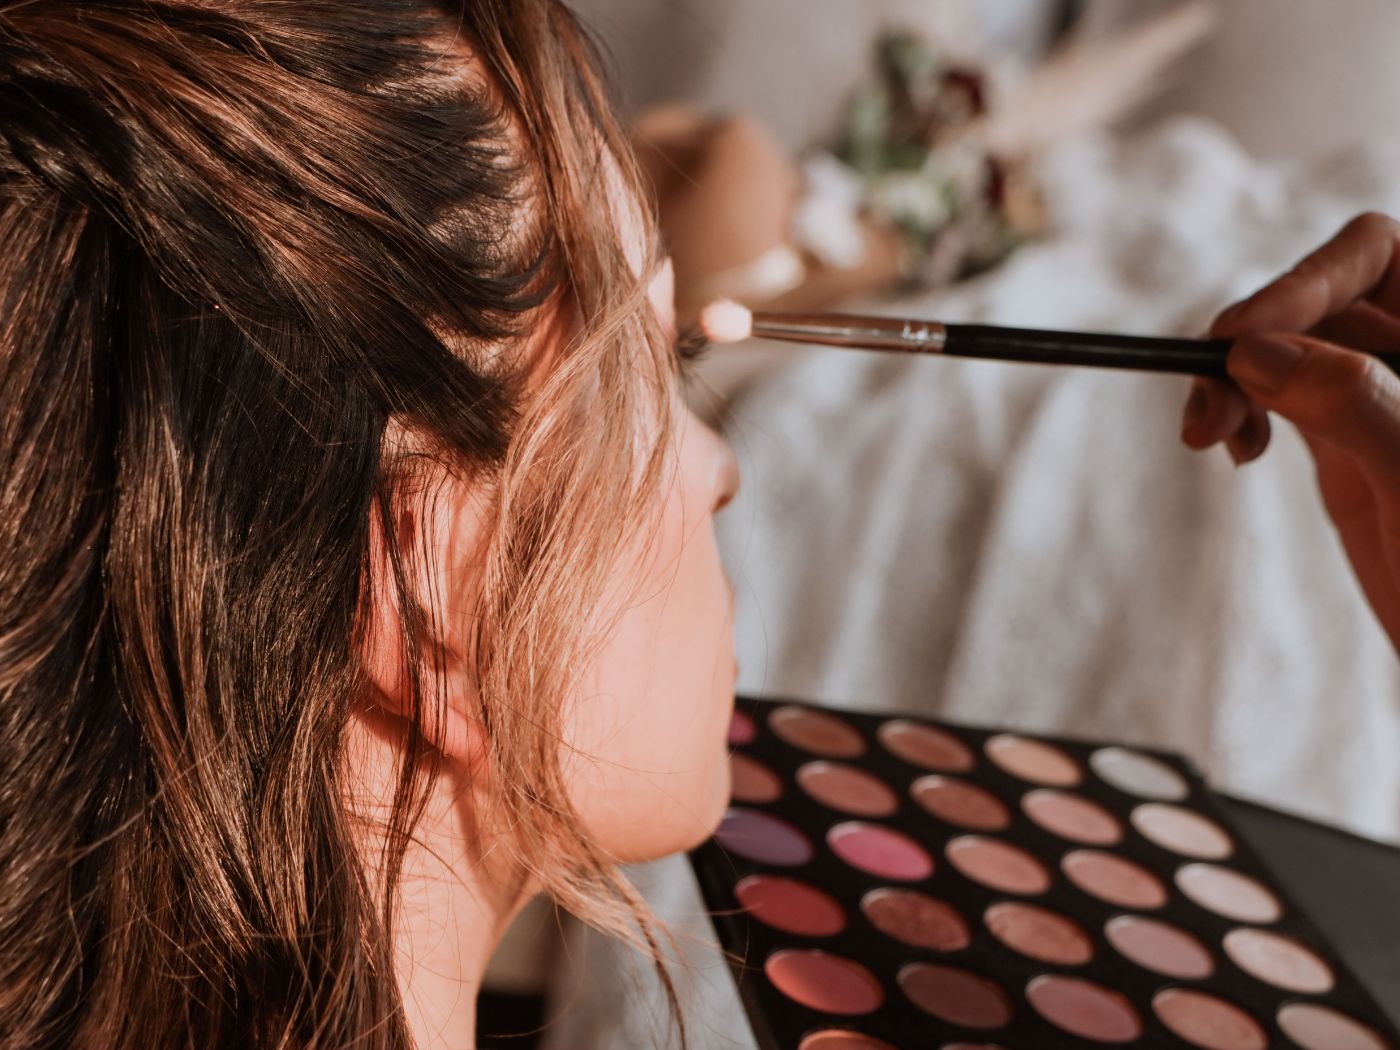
[[955, 995], [956, 801], [847, 788], [889, 884], [817, 732], [925, 746], [916, 919]]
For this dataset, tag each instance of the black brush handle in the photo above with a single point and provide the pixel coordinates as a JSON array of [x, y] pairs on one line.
[[1198, 357]]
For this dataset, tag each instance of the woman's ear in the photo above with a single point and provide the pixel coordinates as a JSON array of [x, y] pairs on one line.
[[435, 532]]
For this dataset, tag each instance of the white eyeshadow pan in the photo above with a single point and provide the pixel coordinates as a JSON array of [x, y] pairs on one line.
[[1138, 774]]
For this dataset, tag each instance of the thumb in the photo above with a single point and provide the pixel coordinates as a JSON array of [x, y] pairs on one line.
[[1348, 398]]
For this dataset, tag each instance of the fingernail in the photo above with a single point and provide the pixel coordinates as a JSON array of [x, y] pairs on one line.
[[1249, 439], [1264, 362], [1195, 412]]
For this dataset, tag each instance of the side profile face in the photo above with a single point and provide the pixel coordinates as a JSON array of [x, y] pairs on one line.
[[646, 751]]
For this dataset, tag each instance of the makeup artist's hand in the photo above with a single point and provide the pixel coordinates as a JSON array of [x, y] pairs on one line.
[[1298, 355]]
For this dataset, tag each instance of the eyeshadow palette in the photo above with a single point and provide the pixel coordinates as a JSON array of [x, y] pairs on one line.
[[890, 883]]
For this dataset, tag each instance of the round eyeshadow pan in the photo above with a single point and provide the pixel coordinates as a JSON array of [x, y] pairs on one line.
[[1229, 893], [916, 919], [1137, 774], [751, 781], [826, 982], [1114, 879], [1315, 1027], [998, 865], [954, 995], [1182, 831], [880, 851], [1072, 817], [1039, 933], [817, 732], [741, 729], [1207, 1021], [847, 788], [790, 906], [925, 746], [760, 837], [1084, 1008], [1160, 947], [958, 802], [834, 1039], [1033, 760], [1278, 960]]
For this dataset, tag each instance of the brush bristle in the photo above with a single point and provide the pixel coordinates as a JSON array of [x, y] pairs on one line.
[[725, 321]]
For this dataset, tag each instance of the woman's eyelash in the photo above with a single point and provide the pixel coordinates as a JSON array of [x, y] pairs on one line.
[[691, 345]]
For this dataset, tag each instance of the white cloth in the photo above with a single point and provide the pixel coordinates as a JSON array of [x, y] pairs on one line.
[[1031, 547]]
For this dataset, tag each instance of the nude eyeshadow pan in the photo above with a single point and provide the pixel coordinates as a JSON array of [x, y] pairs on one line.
[[892, 883]]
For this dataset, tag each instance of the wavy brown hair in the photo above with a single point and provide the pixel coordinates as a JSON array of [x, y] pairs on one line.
[[240, 237]]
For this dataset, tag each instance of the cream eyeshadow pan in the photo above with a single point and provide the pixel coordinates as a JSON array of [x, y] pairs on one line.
[[892, 883]]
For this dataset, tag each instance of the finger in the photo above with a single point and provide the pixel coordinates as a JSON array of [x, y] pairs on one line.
[[1359, 262], [1250, 440], [1351, 503], [1340, 396], [1361, 326], [1214, 410]]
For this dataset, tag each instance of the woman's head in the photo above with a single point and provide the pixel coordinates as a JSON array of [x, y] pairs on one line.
[[332, 395]]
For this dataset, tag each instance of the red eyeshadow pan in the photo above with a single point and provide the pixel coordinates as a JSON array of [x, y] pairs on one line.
[[824, 982], [792, 906]]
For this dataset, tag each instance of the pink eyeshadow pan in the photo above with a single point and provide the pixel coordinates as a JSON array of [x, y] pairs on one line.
[[916, 919], [1182, 831], [817, 732], [1160, 947], [1316, 1027], [1208, 1021], [791, 906], [741, 729], [1278, 960], [924, 746], [956, 996], [1033, 760], [1084, 1008], [848, 789], [958, 802], [825, 982], [998, 865], [1114, 879], [1072, 817], [752, 781], [880, 851]]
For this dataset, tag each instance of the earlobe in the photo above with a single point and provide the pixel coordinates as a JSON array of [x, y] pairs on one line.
[[447, 704]]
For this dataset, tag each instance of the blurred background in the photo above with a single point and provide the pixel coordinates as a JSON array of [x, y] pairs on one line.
[[996, 544]]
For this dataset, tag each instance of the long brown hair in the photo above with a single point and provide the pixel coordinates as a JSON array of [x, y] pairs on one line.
[[237, 239]]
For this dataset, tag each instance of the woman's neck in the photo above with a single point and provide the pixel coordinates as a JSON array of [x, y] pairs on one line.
[[454, 898]]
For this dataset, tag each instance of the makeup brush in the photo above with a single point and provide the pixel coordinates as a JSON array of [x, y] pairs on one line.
[[725, 321]]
